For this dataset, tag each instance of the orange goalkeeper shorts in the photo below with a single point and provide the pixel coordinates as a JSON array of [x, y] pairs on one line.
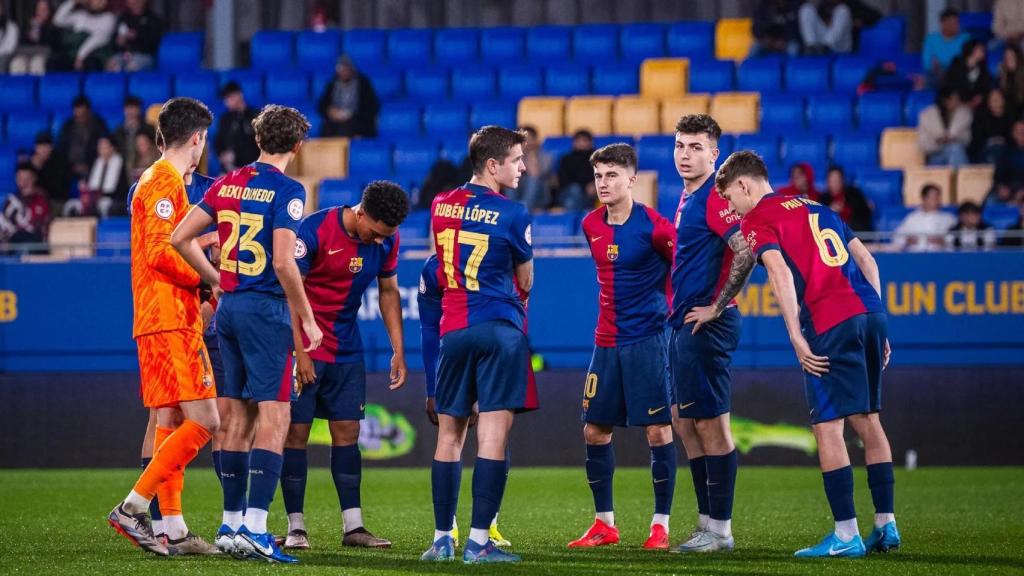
[[175, 367]]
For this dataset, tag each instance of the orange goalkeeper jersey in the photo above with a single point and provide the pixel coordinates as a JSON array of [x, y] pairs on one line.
[[164, 287]]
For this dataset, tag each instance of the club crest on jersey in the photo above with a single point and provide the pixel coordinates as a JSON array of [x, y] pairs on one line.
[[164, 208], [613, 252], [355, 265]]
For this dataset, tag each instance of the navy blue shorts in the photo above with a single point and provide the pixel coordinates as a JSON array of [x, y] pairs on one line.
[[485, 363], [339, 393], [853, 385], [255, 336], [629, 385], [216, 363], [700, 366]]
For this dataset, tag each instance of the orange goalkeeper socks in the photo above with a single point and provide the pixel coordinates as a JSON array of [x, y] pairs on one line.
[[171, 457], [168, 493]]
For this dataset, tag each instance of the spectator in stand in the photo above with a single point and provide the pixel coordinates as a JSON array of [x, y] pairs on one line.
[[146, 153], [826, 26], [971, 232], [969, 75], [1011, 77], [443, 176], [535, 183], [944, 130], [801, 182], [847, 201], [776, 27], [138, 37], [940, 48], [79, 136], [37, 38], [924, 229], [1008, 21], [86, 29], [51, 170], [864, 16], [1008, 181], [235, 143], [575, 174], [8, 38], [990, 129], [1014, 235], [349, 103], [26, 213], [134, 123], [106, 191]]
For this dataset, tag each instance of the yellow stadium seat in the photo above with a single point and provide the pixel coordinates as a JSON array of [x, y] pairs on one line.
[[635, 116], [73, 237], [545, 113], [593, 113], [672, 109], [322, 158], [312, 185], [153, 114], [737, 112], [899, 150], [645, 189], [914, 179], [664, 77], [733, 38], [973, 183]]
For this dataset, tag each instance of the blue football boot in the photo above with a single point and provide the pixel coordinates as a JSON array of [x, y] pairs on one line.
[[260, 546], [883, 539], [832, 546], [442, 550], [474, 553]]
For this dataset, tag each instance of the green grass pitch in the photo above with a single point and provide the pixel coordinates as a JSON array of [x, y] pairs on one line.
[[953, 521]]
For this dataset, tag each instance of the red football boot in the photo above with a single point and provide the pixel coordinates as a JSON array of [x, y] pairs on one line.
[[600, 534], [658, 540]]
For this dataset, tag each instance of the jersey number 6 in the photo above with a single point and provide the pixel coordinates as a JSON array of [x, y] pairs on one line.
[[479, 243], [823, 237]]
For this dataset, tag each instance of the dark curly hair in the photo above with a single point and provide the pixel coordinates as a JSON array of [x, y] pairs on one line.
[[180, 118], [385, 202], [742, 163], [492, 142], [279, 128], [619, 154], [699, 124]]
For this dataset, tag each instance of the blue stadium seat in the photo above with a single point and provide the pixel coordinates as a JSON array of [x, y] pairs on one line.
[[339, 192], [640, 41], [778, 175], [370, 159], [386, 81], [23, 127], [668, 197], [441, 118], [399, 119], [1001, 217], [367, 47], [556, 147], [413, 160], [884, 38], [502, 44], [567, 79], [595, 43], [693, 39], [831, 113], [766, 145], [317, 51], [519, 81], [917, 101], [151, 87], [888, 217], [557, 227], [760, 74], [251, 82], [807, 75], [496, 112], [781, 112], [713, 76], [726, 146], [181, 51], [848, 71], [105, 90], [811, 148], [426, 84], [416, 226], [456, 46], [473, 83], [272, 50], [455, 150], [883, 187], [410, 46], [198, 84], [855, 151], [615, 79], [906, 63], [290, 87], [546, 44], [977, 24], [57, 90], [113, 116], [877, 110], [655, 153], [602, 141], [115, 234], [19, 93]]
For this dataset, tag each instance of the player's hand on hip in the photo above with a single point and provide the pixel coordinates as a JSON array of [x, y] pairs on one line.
[[701, 315], [398, 371], [217, 291], [886, 354], [305, 372], [809, 362], [313, 334], [431, 410]]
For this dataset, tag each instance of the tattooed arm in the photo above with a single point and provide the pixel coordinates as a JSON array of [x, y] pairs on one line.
[[742, 265]]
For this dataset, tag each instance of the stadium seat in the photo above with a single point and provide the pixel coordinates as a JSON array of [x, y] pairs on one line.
[[811, 148], [567, 79], [113, 236], [733, 38], [415, 227], [602, 141], [446, 118], [781, 112], [668, 196], [198, 84], [555, 228], [807, 75], [493, 112], [714, 76], [339, 192], [251, 82], [19, 93], [323, 158], [502, 45], [455, 149], [595, 43], [399, 120], [317, 51], [57, 90], [8, 161], [113, 116], [150, 87], [830, 113], [545, 113], [272, 50], [664, 77], [1001, 217], [615, 79], [642, 41], [456, 46], [556, 147], [23, 127], [645, 188], [386, 81], [520, 81], [672, 109], [105, 90], [737, 112], [656, 153], [311, 185], [692, 39], [473, 83], [766, 146], [426, 84], [636, 116], [72, 237], [410, 46], [369, 159], [848, 71], [915, 179], [762, 74], [899, 150], [977, 24], [973, 183], [181, 51], [366, 47], [883, 187], [547, 44], [888, 218], [592, 113], [289, 87], [877, 110], [726, 146], [413, 160], [916, 102], [855, 151], [884, 38]]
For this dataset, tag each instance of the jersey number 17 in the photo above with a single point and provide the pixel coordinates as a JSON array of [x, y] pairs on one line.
[[479, 243]]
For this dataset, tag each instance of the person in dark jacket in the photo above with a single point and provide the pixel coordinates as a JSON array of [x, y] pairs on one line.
[[138, 38], [576, 189], [990, 128], [968, 75], [349, 104], [847, 201], [79, 137], [235, 143]]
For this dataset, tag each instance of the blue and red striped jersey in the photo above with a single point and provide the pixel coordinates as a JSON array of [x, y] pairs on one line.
[[339, 268], [248, 205], [704, 224], [633, 261], [815, 241], [429, 303], [480, 237]]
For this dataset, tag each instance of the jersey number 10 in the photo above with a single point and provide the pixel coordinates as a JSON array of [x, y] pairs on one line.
[[253, 224], [479, 243], [825, 236]]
